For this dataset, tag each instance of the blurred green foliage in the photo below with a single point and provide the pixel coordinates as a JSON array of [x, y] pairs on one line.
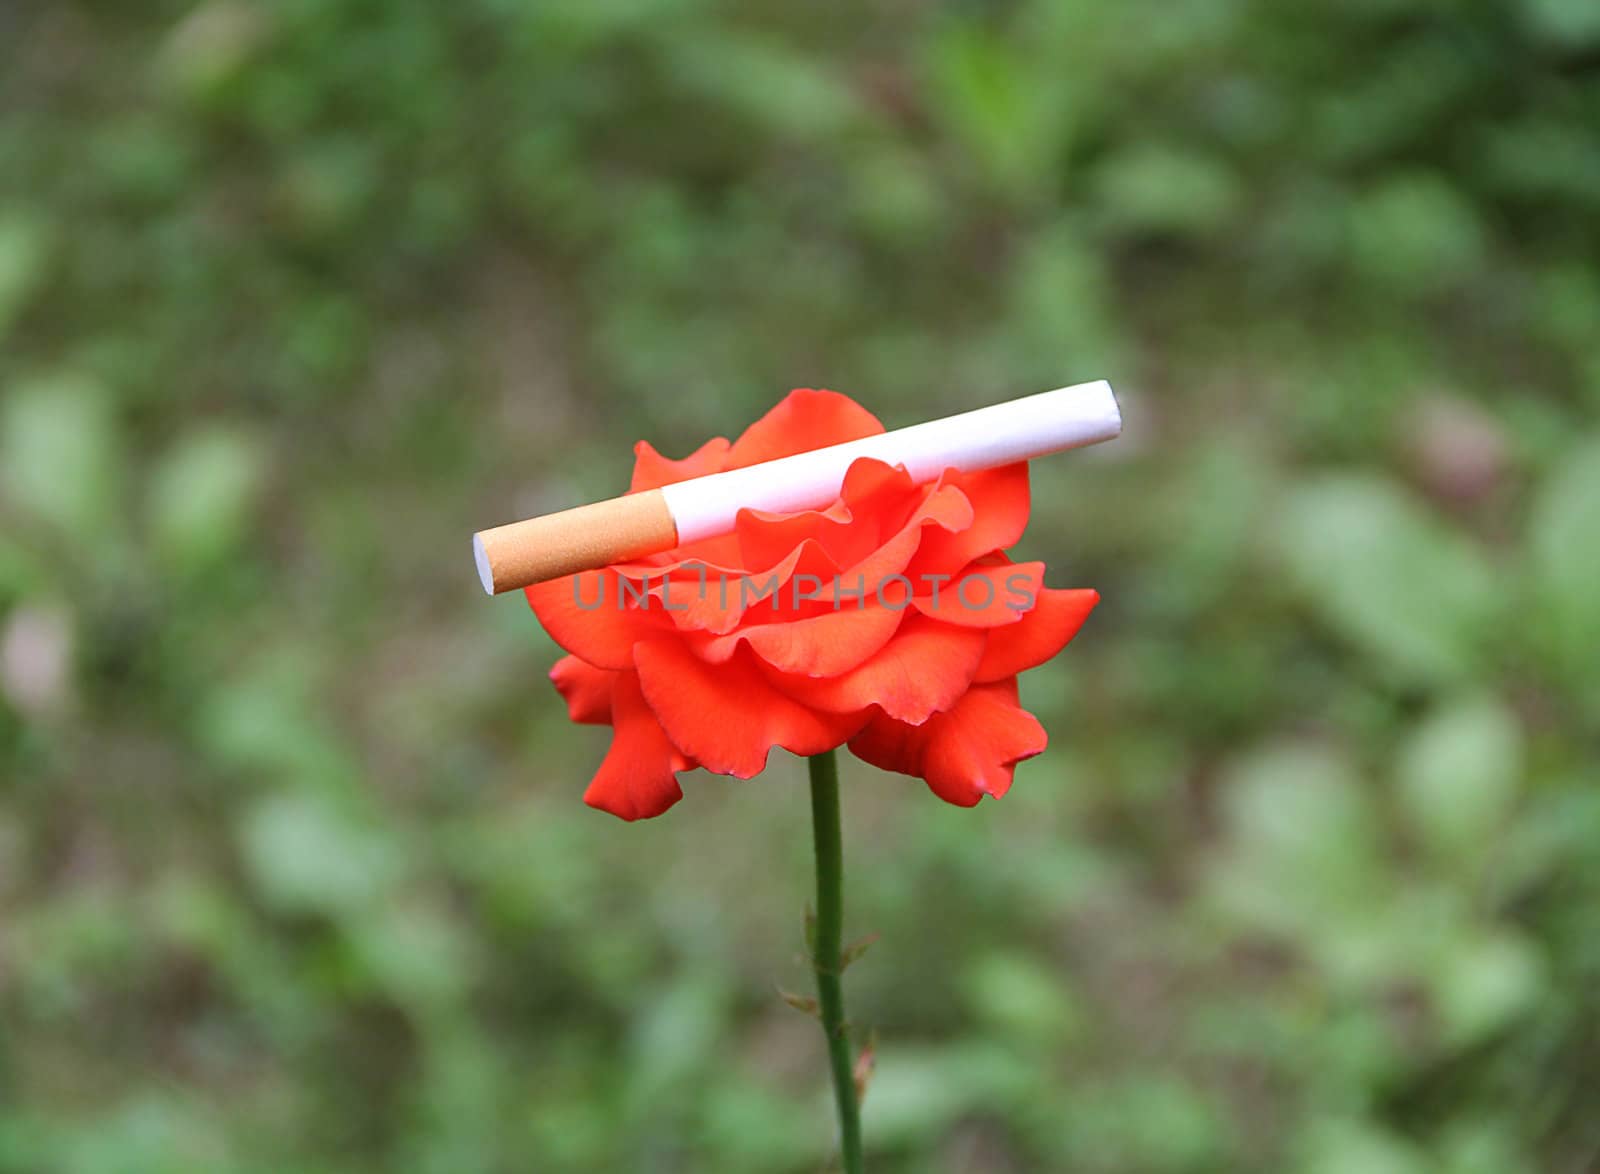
[[294, 875]]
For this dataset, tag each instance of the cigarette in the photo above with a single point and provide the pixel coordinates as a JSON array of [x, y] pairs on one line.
[[639, 524]]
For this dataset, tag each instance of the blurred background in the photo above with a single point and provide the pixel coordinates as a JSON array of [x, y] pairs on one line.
[[295, 295]]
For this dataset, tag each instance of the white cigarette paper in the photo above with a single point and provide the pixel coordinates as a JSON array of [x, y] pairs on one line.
[[1002, 434], [513, 556]]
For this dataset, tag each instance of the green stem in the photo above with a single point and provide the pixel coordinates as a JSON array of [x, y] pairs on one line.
[[827, 954]]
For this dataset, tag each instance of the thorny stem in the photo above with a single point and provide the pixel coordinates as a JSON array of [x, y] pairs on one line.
[[826, 956]]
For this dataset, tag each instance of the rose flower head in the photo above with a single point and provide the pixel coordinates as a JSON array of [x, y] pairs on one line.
[[891, 622]]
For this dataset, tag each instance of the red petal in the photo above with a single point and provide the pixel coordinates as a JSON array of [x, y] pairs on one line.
[[637, 779], [884, 517], [651, 470], [729, 595], [822, 645], [982, 596], [874, 500], [883, 570], [721, 552], [803, 420], [589, 615], [1039, 635], [925, 668], [1000, 501], [964, 754], [765, 540], [586, 689], [717, 600], [728, 716]]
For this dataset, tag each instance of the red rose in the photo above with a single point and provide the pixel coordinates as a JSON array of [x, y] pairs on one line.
[[890, 621]]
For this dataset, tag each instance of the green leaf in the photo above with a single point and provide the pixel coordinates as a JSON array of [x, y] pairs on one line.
[[1570, 23], [1564, 566], [1022, 997], [1415, 234], [1334, 1146], [59, 453], [1483, 984], [917, 1092], [211, 45], [675, 1037], [1459, 773], [1414, 596], [307, 857], [750, 1125], [24, 249], [781, 92], [1150, 1121], [1476, 1144], [202, 495], [1300, 808], [1302, 859], [1166, 190], [415, 954], [1059, 317], [1014, 117]]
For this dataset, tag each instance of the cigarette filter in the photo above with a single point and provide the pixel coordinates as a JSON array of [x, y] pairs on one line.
[[593, 536]]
